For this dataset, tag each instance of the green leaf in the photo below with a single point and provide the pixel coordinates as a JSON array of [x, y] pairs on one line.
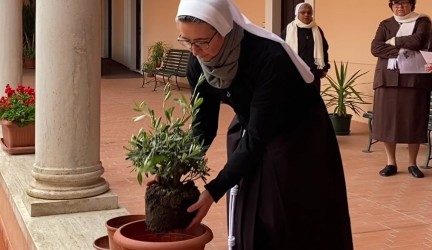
[[341, 92], [168, 148]]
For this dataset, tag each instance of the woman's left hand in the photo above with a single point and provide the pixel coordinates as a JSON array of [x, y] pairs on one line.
[[154, 181], [203, 206]]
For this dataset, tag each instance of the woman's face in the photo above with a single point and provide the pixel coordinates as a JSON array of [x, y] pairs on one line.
[[402, 8], [305, 14], [201, 39]]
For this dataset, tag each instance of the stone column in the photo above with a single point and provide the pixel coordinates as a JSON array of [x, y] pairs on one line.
[[67, 161], [10, 43]]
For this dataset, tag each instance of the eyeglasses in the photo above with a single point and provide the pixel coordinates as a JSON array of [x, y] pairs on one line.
[[199, 44], [400, 4]]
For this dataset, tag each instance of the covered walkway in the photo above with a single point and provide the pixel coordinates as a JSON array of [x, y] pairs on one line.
[[386, 213]]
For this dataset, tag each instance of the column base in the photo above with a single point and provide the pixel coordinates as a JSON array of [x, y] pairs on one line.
[[42, 207]]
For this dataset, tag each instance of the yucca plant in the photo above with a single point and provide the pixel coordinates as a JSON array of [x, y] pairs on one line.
[[341, 92]]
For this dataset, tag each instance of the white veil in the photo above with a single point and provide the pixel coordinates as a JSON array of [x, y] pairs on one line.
[[221, 13]]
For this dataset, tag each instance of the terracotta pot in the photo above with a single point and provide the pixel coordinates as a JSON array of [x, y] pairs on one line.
[[135, 236], [115, 223], [101, 243], [29, 62], [18, 140]]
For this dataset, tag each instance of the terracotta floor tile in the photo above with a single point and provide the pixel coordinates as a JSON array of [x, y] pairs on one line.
[[387, 213]]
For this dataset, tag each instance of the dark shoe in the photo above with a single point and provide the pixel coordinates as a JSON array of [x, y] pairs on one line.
[[415, 171], [389, 170]]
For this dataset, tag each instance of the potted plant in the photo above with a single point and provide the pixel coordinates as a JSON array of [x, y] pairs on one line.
[[149, 67], [155, 56], [29, 52], [157, 52], [171, 152], [17, 117], [29, 18], [341, 94]]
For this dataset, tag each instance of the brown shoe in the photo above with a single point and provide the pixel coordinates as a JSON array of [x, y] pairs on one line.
[[388, 170]]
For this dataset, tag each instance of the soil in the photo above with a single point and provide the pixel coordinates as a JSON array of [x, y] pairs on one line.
[[166, 206]]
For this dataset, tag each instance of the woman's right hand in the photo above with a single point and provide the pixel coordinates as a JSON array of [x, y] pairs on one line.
[[202, 206], [428, 67]]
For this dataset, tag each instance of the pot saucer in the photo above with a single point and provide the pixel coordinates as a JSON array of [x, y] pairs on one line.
[[17, 150]]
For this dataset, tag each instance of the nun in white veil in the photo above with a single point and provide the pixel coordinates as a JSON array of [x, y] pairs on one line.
[[287, 162], [307, 40]]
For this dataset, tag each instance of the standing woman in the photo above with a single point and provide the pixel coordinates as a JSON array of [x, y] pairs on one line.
[[292, 191], [401, 101], [307, 39]]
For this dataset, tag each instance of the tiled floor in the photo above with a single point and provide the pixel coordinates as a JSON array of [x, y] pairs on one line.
[[386, 213]]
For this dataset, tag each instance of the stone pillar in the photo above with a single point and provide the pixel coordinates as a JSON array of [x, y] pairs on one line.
[[10, 43], [67, 161]]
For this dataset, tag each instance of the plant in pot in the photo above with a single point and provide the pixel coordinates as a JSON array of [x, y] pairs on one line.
[[157, 52], [29, 20], [341, 94], [29, 51], [171, 152], [149, 67], [17, 116], [155, 56]]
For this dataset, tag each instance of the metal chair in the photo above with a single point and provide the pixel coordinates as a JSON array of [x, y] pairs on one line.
[[428, 146], [369, 116]]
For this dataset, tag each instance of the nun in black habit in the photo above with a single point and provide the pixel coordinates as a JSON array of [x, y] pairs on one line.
[[292, 189]]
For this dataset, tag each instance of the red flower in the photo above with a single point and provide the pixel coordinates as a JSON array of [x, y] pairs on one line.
[[9, 91], [18, 105]]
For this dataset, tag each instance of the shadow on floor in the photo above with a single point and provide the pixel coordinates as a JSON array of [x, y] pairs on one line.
[[111, 69]]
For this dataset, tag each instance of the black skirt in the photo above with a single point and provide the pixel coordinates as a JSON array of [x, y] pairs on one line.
[[296, 198]]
